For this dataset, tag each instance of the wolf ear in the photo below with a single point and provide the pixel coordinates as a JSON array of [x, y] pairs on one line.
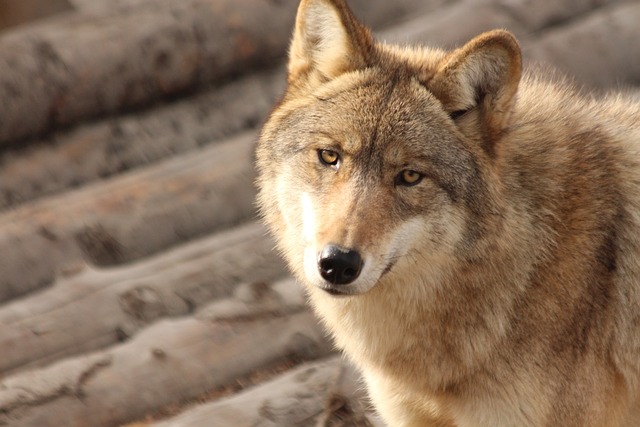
[[327, 42], [483, 74]]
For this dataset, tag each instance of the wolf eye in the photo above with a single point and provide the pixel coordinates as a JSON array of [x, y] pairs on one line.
[[328, 157], [409, 178]]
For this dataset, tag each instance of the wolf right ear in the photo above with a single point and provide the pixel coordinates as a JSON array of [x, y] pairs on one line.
[[483, 74], [327, 41]]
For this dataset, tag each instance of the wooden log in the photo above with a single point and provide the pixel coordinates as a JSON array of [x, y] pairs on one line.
[[457, 22], [374, 13], [600, 50], [256, 300], [14, 13], [452, 24], [101, 5], [95, 63], [347, 402], [570, 36], [292, 400], [103, 149], [98, 308], [171, 361], [128, 217], [54, 74], [325, 393]]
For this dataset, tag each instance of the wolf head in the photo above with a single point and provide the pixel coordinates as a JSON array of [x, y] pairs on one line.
[[380, 157]]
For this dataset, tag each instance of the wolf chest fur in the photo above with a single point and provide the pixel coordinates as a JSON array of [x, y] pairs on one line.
[[468, 233]]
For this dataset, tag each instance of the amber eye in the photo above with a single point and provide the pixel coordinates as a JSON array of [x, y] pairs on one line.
[[328, 157], [409, 177]]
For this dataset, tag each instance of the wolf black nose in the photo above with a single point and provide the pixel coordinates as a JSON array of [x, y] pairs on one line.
[[338, 265]]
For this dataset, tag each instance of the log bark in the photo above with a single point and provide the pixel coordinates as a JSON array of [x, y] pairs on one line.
[[14, 13], [347, 403], [129, 217], [601, 50], [295, 399], [110, 60], [171, 361], [85, 65], [457, 22], [103, 149], [325, 393], [575, 37], [103, 307]]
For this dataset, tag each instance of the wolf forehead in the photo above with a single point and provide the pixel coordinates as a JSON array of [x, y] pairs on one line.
[[370, 99], [386, 118]]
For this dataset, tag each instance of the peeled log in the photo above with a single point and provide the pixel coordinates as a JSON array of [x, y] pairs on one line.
[[600, 50], [128, 217], [109, 147], [98, 308], [172, 361], [105, 61], [87, 64], [294, 399], [569, 36], [326, 393]]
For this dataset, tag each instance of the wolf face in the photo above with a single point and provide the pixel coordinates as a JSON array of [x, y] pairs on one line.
[[375, 159], [361, 175]]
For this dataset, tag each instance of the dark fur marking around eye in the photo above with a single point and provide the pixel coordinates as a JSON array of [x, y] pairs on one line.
[[457, 114]]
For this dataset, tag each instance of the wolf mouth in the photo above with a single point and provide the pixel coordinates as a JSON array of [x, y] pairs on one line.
[[336, 292]]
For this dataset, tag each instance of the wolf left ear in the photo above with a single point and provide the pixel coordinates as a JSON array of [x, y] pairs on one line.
[[327, 42], [483, 74]]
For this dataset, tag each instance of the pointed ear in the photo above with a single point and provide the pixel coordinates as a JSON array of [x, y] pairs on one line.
[[483, 74], [327, 42]]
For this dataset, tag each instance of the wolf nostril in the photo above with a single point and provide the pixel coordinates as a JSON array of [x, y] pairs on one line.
[[338, 265], [326, 266]]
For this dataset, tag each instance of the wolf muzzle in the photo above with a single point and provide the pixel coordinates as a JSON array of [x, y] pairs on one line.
[[338, 265]]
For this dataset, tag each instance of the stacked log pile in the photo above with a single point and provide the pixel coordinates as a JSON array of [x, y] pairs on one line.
[[137, 285]]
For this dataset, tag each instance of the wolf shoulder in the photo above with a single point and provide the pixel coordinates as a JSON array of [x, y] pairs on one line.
[[556, 123]]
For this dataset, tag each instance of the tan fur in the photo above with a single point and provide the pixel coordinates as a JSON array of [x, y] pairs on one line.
[[504, 288]]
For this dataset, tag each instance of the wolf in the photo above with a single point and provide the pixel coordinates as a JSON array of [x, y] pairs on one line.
[[468, 232]]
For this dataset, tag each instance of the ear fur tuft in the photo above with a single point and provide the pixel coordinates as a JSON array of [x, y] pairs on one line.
[[484, 73], [327, 42]]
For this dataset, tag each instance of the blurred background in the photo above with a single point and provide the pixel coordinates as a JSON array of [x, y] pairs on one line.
[[136, 285]]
